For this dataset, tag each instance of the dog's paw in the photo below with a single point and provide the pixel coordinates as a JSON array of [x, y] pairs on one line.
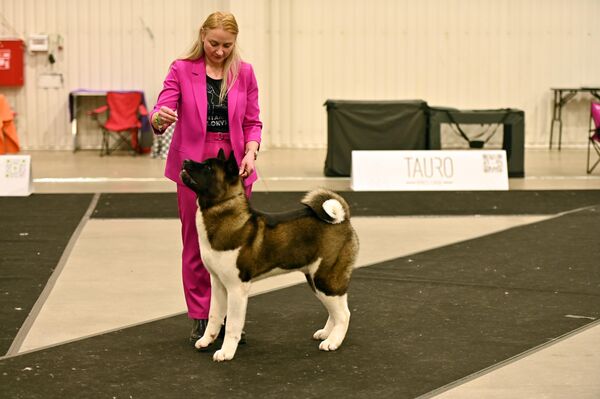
[[329, 345], [222, 355], [203, 343], [321, 334]]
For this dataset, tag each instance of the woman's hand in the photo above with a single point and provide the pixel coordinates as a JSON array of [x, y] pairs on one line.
[[247, 165], [163, 118]]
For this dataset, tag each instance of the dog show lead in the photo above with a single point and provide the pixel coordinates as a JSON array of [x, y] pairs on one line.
[[212, 97]]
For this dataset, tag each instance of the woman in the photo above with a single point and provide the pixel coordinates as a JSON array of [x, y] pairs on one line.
[[213, 96]]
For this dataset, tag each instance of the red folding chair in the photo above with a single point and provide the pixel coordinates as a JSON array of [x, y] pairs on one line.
[[123, 124], [594, 137]]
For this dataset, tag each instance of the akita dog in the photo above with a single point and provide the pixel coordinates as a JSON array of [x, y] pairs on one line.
[[240, 244]]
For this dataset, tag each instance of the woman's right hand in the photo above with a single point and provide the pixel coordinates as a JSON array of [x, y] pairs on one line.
[[163, 118]]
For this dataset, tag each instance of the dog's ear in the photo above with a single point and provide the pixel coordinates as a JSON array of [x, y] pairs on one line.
[[221, 154], [231, 157], [232, 166]]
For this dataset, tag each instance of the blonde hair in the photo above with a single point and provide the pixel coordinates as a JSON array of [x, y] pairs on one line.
[[231, 68]]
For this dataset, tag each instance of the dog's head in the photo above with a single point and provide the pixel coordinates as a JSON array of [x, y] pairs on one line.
[[213, 179]]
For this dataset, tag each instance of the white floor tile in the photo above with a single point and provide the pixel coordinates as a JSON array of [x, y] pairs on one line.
[[568, 368]]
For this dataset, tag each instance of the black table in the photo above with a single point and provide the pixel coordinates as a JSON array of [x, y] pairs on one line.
[[561, 97], [372, 125], [513, 121]]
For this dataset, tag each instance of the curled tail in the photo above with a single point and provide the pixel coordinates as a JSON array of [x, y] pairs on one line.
[[329, 206]]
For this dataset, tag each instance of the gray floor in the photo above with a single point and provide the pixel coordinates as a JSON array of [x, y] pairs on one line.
[[567, 368], [280, 170]]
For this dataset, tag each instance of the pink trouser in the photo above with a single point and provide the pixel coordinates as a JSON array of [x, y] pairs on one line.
[[196, 279]]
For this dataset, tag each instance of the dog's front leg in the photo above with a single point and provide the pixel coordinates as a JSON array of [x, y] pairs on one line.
[[216, 314], [237, 302]]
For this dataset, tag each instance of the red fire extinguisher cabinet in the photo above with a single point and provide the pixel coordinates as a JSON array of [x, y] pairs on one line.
[[11, 62]]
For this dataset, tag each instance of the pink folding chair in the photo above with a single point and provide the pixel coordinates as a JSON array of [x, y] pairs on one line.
[[594, 138]]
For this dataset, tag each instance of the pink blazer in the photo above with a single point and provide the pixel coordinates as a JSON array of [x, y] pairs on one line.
[[184, 90]]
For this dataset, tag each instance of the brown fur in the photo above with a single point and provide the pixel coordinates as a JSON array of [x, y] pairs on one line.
[[288, 241], [321, 243]]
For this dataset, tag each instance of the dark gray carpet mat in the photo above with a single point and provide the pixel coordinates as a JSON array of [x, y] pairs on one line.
[[34, 232], [418, 323], [164, 205]]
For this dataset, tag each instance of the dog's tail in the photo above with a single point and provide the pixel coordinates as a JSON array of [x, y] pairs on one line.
[[329, 206]]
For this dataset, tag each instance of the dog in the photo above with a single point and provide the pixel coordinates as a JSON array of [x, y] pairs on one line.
[[240, 244]]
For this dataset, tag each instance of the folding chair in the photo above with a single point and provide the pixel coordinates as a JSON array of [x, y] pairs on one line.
[[594, 137], [123, 123]]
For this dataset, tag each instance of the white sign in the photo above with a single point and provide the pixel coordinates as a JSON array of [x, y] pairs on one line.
[[5, 59], [15, 175], [430, 170], [38, 43]]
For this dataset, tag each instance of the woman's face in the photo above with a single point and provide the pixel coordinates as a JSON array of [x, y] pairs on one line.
[[218, 44]]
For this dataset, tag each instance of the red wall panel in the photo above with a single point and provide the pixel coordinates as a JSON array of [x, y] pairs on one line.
[[11, 62]]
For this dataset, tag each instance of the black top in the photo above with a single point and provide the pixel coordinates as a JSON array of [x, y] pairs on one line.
[[217, 113]]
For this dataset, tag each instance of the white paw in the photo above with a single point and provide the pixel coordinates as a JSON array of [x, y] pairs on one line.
[[222, 355], [202, 343], [321, 334], [328, 345]]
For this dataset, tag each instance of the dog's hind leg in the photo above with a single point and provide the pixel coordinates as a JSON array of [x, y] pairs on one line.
[[331, 286], [337, 324], [216, 314], [323, 333], [237, 302]]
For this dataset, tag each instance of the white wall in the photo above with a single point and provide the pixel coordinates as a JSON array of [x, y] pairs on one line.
[[458, 53]]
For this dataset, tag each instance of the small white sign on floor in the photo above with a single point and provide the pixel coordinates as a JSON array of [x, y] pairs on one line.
[[430, 170], [15, 176]]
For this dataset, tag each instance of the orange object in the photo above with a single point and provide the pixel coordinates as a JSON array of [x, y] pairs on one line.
[[9, 141]]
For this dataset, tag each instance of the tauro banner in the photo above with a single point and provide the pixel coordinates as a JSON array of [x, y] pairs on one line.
[[448, 170]]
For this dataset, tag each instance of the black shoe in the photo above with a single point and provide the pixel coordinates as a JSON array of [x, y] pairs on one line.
[[222, 333], [198, 328]]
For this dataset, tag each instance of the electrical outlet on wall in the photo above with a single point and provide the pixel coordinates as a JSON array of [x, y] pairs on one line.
[[38, 43]]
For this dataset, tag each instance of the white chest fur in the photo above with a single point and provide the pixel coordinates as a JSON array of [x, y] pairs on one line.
[[219, 263]]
